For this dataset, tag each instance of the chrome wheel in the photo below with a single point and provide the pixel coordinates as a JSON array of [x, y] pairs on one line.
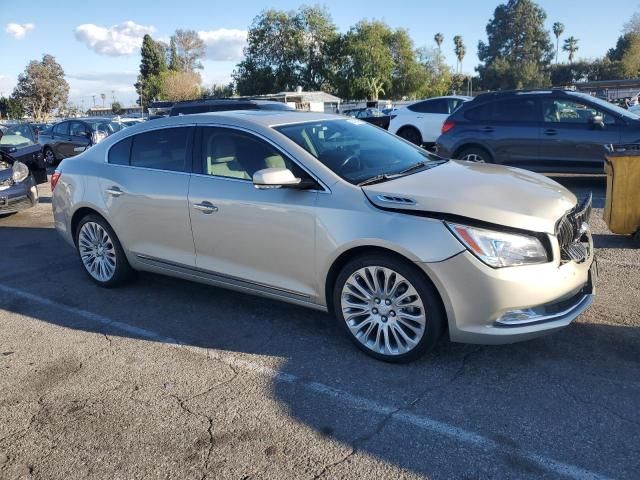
[[473, 157], [97, 251], [383, 310]]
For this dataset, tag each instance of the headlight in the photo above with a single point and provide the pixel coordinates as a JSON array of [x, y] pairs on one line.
[[20, 172], [500, 249]]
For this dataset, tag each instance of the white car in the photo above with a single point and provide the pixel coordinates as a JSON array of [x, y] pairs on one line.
[[420, 122]]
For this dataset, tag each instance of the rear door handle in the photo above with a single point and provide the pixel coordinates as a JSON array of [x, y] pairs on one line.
[[488, 129], [113, 191], [550, 131], [206, 207]]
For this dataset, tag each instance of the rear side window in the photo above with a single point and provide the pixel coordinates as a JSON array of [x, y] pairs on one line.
[[164, 149], [119, 153], [509, 110], [430, 106]]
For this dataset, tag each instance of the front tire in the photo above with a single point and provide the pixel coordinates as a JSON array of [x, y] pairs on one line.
[[49, 157], [388, 308], [100, 253], [411, 134]]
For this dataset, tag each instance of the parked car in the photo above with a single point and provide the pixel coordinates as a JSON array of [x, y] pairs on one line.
[[221, 105], [18, 189], [420, 122], [542, 130], [71, 137], [21, 143], [334, 214], [371, 115]]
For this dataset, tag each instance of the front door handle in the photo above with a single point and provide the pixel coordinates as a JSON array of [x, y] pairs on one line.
[[550, 131], [206, 208], [113, 191]]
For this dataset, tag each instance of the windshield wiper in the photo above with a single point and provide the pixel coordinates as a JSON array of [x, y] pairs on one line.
[[378, 178], [413, 168]]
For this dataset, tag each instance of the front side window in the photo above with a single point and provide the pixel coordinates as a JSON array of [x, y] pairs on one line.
[[78, 129], [164, 149], [564, 111], [234, 154], [356, 150]]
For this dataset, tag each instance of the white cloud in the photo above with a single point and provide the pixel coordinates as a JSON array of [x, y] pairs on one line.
[[116, 40], [224, 44], [17, 30]]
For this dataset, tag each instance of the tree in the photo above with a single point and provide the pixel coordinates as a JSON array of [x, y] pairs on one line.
[[177, 86], [116, 108], [218, 91], [11, 109], [518, 49], [408, 76], [438, 38], [437, 73], [174, 60], [152, 66], [289, 49], [460, 50], [571, 46], [189, 48], [558, 29], [41, 88]]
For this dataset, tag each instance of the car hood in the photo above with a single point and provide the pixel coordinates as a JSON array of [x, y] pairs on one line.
[[490, 193]]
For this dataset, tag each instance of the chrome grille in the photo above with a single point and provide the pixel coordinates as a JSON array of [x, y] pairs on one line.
[[572, 232]]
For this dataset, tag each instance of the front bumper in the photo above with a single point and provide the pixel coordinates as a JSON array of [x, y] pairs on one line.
[[15, 198], [477, 298]]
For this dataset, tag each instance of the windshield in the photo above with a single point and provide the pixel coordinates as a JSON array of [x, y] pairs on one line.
[[356, 150], [610, 106], [17, 136]]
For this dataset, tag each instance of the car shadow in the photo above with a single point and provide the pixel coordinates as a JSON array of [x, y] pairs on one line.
[[533, 396], [614, 241]]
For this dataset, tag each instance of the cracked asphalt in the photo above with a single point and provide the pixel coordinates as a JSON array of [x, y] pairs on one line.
[[170, 379]]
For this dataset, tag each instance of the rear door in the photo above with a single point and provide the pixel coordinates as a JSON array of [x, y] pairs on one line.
[[61, 140], [509, 128], [431, 114], [145, 188], [571, 139]]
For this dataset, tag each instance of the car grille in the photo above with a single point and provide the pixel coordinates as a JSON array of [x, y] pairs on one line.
[[573, 233]]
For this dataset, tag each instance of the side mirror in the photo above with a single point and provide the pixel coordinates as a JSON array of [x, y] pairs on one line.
[[597, 121], [275, 178]]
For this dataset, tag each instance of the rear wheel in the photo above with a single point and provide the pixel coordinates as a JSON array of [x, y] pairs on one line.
[[475, 154], [388, 308], [101, 253], [49, 157], [410, 134]]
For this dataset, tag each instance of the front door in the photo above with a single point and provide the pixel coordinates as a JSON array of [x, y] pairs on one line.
[[570, 138], [260, 238], [80, 137], [145, 188]]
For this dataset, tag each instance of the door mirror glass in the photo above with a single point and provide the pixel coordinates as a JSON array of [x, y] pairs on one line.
[[275, 178]]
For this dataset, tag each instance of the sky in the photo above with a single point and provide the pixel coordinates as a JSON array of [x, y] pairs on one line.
[[98, 43]]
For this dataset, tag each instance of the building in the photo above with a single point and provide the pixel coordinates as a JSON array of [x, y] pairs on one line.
[[108, 111], [610, 89], [305, 101]]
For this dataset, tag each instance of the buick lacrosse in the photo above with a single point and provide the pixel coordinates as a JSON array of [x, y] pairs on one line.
[[335, 214]]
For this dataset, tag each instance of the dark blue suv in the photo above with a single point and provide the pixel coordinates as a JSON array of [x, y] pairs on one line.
[[543, 130]]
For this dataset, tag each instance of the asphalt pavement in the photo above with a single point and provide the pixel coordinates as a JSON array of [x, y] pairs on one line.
[[170, 379]]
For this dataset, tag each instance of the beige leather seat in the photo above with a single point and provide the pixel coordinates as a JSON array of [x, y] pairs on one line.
[[222, 160]]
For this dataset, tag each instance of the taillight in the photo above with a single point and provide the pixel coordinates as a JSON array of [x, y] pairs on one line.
[[447, 125], [54, 179]]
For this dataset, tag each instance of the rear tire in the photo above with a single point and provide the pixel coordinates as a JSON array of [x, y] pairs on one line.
[[49, 157], [475, 154], [410, 134], [388, 308], [100, 253]]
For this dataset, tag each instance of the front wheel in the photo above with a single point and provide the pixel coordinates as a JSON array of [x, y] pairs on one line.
[[101, 253], [49, 157], [388, 308], [411, 134]]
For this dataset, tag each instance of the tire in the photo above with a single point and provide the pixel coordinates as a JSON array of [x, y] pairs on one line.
[[410, 134], [369, 314], [100, 253], [49, 157], [475, 154]]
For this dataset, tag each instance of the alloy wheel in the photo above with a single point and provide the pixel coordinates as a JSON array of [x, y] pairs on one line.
[[473, 157], [383, 310], [97, 251], [48, 157]]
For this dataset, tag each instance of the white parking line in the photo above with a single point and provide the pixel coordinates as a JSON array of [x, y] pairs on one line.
[[420, 421]]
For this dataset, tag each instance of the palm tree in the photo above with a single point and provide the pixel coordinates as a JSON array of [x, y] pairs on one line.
[[374, 87], [439, 38], [103, 96], [460, 50], [558, 29], [571, 46]]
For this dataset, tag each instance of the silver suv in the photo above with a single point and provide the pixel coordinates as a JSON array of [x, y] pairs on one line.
[[334, 214]]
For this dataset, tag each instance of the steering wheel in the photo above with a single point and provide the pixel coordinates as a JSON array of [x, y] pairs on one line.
[[349, 159]]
